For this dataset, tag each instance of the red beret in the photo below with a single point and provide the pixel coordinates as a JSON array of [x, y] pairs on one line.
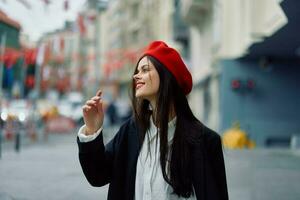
[[171, 59]]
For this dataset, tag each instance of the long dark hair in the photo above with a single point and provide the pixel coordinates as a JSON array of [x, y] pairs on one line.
[[188, 128]]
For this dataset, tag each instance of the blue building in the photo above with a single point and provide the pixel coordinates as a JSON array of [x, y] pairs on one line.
[[261, 89], [245, 57]]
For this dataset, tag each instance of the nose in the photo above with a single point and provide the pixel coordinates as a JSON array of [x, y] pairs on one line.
[[136, 76]]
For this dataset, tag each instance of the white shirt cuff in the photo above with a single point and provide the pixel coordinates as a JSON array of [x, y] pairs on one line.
[[87, 138]]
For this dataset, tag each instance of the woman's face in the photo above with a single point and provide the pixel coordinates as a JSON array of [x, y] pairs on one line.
[[146, 80]]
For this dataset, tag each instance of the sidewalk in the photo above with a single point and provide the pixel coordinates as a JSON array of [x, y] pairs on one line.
[[263, 174], [52, 171], [46, 171]]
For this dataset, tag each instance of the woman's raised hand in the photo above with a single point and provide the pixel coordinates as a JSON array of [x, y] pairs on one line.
[[93, 114]]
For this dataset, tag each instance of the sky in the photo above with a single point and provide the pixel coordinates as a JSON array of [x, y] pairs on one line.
[[40, 19]]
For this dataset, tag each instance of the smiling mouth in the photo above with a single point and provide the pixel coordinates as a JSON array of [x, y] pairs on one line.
[[139, 85]]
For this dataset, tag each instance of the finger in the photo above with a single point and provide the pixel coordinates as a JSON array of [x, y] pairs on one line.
[[92, 105], [89, 102], [96, 98], [86, 108], [99, 92], [100, 107]]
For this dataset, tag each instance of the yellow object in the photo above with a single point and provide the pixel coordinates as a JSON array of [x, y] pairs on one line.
[[50, 113], [235, 138]]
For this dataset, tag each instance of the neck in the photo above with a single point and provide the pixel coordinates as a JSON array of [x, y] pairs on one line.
[[153, 104], [172, 113]]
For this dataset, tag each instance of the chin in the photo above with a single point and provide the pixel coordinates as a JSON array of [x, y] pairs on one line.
[[139, 95], [145, 94]]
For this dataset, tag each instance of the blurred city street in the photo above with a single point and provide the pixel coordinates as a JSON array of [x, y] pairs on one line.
[[56, 55], [51, 170], [263, 174], [45, 170]]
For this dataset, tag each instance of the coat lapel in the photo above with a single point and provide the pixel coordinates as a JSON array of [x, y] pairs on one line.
[[133, 152]]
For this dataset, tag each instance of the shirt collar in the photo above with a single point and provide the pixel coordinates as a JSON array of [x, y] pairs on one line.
[[171, 129]]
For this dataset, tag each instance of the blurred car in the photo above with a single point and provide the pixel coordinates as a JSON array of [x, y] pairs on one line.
[[20, 110], [16, 115], [71, 106], [77, 114], [69, 110], [64, 108]]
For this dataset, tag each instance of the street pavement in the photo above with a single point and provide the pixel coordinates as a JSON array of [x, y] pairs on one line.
[[263, 174], [49, 169]]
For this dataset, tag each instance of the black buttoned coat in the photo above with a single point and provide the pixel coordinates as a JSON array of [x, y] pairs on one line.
[[116, 162]]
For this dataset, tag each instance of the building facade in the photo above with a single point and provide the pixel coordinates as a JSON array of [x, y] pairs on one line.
[[61, 68], [238, 53], [11, 71], [127, 27]]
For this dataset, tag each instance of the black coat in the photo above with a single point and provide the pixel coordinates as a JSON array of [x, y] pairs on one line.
[[115, 164]]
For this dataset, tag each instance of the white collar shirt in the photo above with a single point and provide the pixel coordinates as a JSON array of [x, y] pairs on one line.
[[149, 182]]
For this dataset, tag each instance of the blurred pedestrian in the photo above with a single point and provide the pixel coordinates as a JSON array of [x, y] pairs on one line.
[[112, 113], [163, 151]]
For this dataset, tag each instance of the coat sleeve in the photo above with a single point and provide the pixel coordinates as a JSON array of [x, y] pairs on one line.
[[209, 176], [97, 160]]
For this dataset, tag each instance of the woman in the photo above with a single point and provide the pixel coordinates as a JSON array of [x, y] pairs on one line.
[[162, 152]]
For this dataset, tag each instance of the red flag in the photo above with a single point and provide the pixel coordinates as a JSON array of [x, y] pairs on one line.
[[61, 44], [81, 24]]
